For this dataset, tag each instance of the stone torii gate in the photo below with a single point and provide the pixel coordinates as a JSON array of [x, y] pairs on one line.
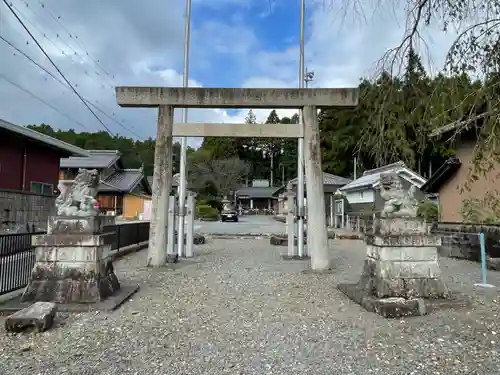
[[169, 98]]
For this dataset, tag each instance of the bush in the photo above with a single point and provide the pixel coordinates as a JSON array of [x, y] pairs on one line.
[[428, 211], [201, 202], [205, 211], [212, 202]]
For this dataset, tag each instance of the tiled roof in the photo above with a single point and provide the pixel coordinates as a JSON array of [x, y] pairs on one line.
[[328, 179], [258, 192], [364, 180], [42, 138], [97, 159], [372, 176], [442, 175], [124, 180]]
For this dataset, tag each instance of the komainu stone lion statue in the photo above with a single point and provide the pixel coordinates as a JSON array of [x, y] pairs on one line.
[[398, 202], [78, 197]]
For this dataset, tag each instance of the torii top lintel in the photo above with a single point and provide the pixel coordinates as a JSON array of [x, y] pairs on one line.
[[203, 97]]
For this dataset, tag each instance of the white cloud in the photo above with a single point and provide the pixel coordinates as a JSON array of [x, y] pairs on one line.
[[141, 43]]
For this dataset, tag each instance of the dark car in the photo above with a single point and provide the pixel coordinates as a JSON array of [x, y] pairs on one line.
[[229, 215]]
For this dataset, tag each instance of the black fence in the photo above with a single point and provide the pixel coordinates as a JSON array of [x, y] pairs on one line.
[[17, 255]]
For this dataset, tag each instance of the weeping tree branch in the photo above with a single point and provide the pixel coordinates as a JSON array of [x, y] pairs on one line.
[[474, 54]]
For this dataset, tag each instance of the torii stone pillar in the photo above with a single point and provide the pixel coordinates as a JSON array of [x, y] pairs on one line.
[[162, 184], [317, 236]]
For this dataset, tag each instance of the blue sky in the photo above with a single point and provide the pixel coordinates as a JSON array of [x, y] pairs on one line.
[[273, 26], [235, 43]]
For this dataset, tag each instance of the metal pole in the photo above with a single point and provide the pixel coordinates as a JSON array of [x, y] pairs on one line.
[[272, 169], [300, 143], [182, 177], [355, 165], [483, 283], [483, 258]]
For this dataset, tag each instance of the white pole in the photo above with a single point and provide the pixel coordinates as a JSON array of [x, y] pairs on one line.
[[332, 211], [355, 165], [300, 143], [272, 168], [182, 177]]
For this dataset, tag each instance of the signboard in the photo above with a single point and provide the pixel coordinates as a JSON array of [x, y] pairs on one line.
[[260, 183]]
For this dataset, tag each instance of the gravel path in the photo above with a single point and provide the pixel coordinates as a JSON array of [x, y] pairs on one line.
[[237, 308]]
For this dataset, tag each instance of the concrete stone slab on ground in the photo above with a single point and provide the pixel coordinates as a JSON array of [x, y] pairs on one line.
[[109, 304], [238, 308], [39, 316], [345, 234]]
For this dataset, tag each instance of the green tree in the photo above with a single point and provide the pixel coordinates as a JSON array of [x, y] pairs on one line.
[[288, 159], [221, 175]]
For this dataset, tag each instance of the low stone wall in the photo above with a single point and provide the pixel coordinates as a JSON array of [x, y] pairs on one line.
[[462, 241], [24, 208]]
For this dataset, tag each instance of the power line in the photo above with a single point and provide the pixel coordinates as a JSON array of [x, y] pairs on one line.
[[55, 66], [122, 123], [71, 35], [12, 45], [44, 35], [41, 100], [72, 53]]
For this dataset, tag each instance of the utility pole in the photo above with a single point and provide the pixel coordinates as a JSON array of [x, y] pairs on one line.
[[300, 143], [182, 171], [272, 169], [355, 167]]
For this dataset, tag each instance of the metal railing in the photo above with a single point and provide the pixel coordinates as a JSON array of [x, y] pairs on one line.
[[17, 255], [359, 223]]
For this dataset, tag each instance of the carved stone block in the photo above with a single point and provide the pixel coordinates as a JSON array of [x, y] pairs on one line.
[[400, 225], [404, 239], [78, 225]]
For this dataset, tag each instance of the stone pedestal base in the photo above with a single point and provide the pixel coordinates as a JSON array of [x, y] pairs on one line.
[[399, 307], [401, 272], [73, 263], [402, 261]]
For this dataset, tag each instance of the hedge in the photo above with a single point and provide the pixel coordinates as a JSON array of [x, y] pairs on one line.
[[205, 211]]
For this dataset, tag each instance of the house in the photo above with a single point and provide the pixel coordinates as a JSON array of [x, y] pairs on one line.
[[259, 196], [331, 183], [126, 192], [448, 181], [29, 168], [362, 196]]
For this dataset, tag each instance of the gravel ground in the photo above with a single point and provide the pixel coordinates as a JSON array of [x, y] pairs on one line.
[[236, 308]]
